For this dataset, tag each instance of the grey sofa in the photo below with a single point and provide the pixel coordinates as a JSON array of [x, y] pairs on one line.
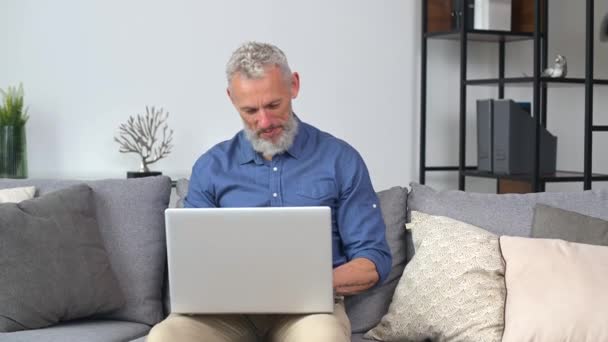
[[130, 215]]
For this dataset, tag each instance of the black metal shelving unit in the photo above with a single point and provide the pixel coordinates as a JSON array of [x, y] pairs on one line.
[[539, 84]]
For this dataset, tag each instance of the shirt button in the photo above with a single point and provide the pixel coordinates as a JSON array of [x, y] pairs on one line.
[[374, 205], [275, 169], [275, 195]]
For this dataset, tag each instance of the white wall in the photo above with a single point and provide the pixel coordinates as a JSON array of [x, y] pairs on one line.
[[88, 65]]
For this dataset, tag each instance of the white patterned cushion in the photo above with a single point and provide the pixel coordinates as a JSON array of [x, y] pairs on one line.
[[453, 289], [16, 195]]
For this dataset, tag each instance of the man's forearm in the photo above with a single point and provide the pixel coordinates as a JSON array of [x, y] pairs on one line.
[[355, 277]]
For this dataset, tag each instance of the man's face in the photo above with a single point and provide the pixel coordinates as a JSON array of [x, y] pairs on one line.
[[265, 103]]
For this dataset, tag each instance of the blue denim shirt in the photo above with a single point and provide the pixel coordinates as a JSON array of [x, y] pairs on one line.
[[318, 170]]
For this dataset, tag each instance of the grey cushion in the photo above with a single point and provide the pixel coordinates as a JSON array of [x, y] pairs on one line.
[[130, 214], [181, 189], [89, 331], [505, 214], [555, 223], [366, 310], [53, 261], [141, 339]]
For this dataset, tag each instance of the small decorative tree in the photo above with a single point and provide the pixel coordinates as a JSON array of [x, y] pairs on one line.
[[138, 135]]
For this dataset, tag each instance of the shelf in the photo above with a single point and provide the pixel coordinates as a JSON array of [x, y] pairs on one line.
[[448, 168], [598, 128], [530, 80], [557, 177], [439, 22], [482, 35]]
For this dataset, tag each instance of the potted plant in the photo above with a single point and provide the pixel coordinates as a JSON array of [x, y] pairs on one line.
[[13, 148]]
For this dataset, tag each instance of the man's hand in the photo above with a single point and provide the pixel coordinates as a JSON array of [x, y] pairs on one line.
[[355, 277]]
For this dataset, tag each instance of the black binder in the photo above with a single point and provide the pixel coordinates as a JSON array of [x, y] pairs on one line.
[[513, 141], [485, 127]]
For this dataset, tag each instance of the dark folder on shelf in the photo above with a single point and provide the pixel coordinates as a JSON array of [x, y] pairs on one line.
[[485, 127], [513, 142]]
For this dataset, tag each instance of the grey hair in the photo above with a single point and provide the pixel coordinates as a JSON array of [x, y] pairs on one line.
[[252, 58]]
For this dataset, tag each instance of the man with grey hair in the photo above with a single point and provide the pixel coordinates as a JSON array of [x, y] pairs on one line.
[[278, 160]]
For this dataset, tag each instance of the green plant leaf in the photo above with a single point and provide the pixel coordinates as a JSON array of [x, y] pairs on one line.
[[12, 112]]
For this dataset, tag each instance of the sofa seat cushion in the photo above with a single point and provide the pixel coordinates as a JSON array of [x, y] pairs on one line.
[[130, 215], [90, 331]]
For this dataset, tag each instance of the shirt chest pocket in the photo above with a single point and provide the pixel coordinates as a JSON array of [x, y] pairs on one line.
[[317, 193]]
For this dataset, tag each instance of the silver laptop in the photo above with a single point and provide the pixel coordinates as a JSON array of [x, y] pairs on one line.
[[250, 260]]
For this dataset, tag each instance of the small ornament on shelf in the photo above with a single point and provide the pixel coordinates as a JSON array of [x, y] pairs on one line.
[[139, 135], [559, 68]]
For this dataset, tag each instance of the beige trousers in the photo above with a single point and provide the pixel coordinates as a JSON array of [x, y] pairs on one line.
[[253, 328]]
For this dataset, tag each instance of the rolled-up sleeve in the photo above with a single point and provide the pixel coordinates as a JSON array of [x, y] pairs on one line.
[[200, 189], [359, 218]]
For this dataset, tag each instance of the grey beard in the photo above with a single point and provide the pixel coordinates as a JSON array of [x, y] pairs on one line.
[[268, 148]]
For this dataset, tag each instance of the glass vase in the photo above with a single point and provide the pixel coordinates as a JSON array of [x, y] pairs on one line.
[[13, 152]]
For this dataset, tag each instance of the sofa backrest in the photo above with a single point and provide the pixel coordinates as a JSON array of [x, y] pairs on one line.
[[130, 215], [504, 214]]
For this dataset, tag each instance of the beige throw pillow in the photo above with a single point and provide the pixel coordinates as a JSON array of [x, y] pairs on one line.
[[556, 290], [453, 289], [16, 195]]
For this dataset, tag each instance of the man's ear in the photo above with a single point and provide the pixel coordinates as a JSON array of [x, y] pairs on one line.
[[295, 85], [229, 94]]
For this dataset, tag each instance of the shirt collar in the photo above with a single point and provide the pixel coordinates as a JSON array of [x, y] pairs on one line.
[[299, 141], [248, 154]]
